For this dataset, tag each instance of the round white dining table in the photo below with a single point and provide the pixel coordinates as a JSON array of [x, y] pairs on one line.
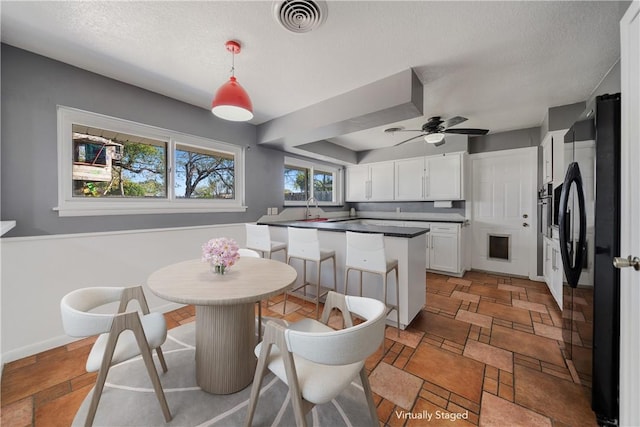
[[225, 316]]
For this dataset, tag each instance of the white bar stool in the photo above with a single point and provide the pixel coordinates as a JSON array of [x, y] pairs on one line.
[[366, 253], [305, 245], [259, 239]]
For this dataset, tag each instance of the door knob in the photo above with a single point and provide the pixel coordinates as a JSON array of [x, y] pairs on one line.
[[525, 216], [524, 224], [619, 262]]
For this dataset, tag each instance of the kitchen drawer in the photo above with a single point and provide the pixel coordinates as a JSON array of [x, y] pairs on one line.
[[444, 228], [417, 224]]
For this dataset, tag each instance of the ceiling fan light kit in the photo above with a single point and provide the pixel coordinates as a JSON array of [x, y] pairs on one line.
[[231, 101], [434, 138]]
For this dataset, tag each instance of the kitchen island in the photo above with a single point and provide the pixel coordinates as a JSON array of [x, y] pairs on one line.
[[406, 244]]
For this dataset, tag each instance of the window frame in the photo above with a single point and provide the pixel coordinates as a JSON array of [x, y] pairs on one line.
[[336, 171], [75, 206]]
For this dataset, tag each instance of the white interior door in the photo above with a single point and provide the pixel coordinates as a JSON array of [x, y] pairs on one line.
[[630, 217], [504, 217]]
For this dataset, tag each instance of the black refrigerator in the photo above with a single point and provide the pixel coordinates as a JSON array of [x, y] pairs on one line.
[[589, 231]]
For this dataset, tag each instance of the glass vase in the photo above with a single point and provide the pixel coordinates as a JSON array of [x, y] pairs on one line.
[[218, 269]]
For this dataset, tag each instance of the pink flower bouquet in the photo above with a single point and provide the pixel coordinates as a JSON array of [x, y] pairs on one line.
[[221, 253]]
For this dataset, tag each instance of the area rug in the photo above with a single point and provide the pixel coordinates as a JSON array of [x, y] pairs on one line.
[[128, 398]]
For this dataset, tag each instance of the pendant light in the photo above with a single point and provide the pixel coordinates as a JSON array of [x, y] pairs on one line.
[[231, 101]]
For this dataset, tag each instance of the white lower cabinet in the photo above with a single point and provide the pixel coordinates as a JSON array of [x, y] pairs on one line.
[[443, 246], [552, 268]]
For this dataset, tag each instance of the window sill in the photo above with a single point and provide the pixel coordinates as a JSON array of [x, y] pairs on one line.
[[304, 205], [78, 210]]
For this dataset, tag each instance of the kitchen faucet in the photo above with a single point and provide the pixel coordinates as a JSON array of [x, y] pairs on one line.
[[309, 200]]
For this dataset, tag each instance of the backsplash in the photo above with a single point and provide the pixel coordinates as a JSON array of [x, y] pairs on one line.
[[458, 207]]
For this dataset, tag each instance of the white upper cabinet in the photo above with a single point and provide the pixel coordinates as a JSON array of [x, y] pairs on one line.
[[410, 179], [418, 179], [371, 182], [444, 177], [553, 157], [547, 161], [430, 178]]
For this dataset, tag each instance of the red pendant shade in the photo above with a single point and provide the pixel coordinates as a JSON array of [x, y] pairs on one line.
[[231, 101]]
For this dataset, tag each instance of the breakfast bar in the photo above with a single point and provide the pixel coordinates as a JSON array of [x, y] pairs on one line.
[[406, 244]]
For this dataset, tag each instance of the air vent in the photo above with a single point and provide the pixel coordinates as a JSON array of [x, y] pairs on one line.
[[300, 16]]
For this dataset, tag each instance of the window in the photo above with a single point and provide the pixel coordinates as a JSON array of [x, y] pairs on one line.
[[304, 179], [296, 184], [109, 166]]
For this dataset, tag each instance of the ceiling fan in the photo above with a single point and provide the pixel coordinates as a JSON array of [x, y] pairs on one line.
[[433, 130]]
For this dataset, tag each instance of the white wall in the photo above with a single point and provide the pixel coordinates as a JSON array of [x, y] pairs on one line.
[[38, 271]]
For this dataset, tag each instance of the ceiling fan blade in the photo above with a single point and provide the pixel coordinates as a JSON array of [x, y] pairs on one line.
[[467, 131], [410, 139], [454, 121]]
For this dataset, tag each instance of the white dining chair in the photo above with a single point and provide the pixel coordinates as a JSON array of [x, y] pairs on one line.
[[304, 245], [122, 336], [366, 253], [317, 362]]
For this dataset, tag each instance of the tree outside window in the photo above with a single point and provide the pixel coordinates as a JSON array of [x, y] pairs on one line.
[[202, 174], [296, 183], [323, 186]]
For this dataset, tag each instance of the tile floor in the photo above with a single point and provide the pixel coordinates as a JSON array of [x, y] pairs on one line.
[[486, 350]]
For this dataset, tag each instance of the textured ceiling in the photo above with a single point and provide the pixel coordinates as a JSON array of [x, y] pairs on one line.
[[501, 64]]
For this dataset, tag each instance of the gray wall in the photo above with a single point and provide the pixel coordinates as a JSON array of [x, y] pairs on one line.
[[520, 138], [33, 85]]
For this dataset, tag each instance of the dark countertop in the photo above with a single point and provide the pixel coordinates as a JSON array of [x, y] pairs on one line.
[[345, 225], [456, 221]]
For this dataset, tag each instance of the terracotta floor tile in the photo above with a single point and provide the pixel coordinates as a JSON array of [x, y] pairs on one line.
[[553, 332], [48, 372], [446, 304], [410, 337], [279, 307], [18, 414], [504, 312], [494, 356], [453, 330], [453, 372], [440, 286], [511, 288], [465, 296], [395, 385], [531, 306], [560, 400], [459, 281], [528, 344], [490, 291], [499, 412], [541, 298], [62, 411], [474, 318]]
